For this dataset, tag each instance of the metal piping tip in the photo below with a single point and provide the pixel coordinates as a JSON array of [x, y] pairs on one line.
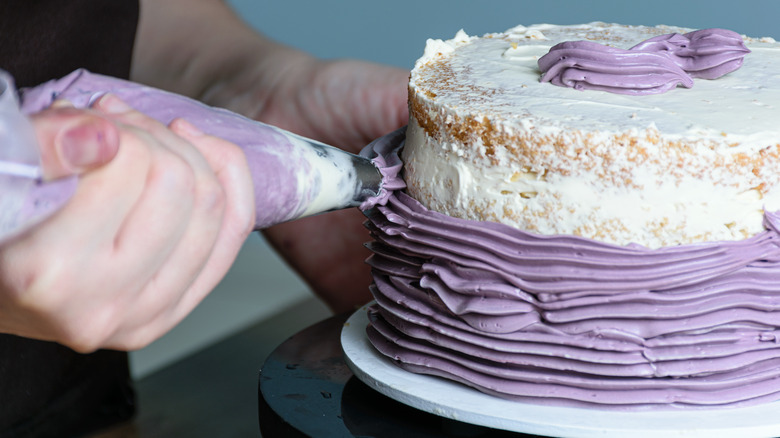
[[368, 182]]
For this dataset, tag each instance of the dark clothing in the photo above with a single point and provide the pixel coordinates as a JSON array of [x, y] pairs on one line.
[[47, 39], [47, 389]]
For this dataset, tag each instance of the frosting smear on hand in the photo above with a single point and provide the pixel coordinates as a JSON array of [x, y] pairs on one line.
[[653, 66]]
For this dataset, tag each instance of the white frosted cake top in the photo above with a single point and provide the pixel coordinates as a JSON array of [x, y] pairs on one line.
[[489, 141], [500, 71]]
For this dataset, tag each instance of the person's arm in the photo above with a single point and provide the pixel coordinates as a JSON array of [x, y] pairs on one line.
[[200, 48]]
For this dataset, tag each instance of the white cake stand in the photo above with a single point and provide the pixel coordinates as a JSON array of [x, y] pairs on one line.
[[459, 402]]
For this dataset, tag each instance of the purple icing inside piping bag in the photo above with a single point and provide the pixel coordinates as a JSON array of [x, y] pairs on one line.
[[286, 172], [275, 192], [651, 67], [384, 152]]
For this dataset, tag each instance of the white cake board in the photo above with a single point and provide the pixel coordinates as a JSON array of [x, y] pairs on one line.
[[459, 402]]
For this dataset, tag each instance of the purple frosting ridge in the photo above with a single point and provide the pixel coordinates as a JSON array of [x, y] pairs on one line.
[[653, 66], [384, 152], [274, 161], [572, 321]]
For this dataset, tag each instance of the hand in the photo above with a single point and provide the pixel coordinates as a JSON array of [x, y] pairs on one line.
[[343, 103], [158, 217]]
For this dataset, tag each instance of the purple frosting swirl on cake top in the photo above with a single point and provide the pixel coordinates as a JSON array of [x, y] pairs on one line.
[[651, 67]]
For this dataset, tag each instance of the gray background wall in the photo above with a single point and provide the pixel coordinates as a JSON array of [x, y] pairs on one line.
[[394, 32]]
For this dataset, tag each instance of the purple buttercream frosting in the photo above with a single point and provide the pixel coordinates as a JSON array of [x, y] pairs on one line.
[[384, 152], [291, 175], [653, 66], [572, 321]]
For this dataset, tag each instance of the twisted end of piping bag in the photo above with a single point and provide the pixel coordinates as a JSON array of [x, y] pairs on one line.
[[293, 176]]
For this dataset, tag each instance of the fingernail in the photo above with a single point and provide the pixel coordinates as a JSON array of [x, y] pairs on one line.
[[112, 104], [188, 128], [62, 103], [85, 145]]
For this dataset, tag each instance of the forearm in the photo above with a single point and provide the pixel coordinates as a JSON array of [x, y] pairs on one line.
[[225, 63], [201, 49]]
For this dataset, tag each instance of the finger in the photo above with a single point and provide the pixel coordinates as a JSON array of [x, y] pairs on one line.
[[73, 251], [190, 244], [178, 176], [157, 221], [73, 141], [62, 103], [90, 220], [177, 268], [180, 210], [233, 173], [105, 195], [120, 112], [229, 164], [180, 180]]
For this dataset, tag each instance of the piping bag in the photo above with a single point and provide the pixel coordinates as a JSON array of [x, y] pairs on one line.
[[293, 176]]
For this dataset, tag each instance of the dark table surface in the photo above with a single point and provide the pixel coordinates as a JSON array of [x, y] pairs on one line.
[[235, 388], [213, 392], [306, 389]]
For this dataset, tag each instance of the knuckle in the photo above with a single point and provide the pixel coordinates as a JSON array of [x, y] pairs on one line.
[[230, 151], [211, 197], [243, 222], [80, 337], [141, 120], [236, 173], [81, 344], [136, 342], [175, 176], [134, 153], [44, 285], [90, 330]]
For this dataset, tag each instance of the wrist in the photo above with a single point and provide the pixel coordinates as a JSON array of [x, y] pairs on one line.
[[202, 49]]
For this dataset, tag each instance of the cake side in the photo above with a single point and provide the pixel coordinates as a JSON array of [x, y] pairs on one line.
[[568, 321], [488, 141]]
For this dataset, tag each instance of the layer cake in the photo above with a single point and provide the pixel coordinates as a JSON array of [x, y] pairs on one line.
[[488, 140], [584, 248]]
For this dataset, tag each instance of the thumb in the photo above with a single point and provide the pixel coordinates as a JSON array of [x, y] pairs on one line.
[[72, 141]]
